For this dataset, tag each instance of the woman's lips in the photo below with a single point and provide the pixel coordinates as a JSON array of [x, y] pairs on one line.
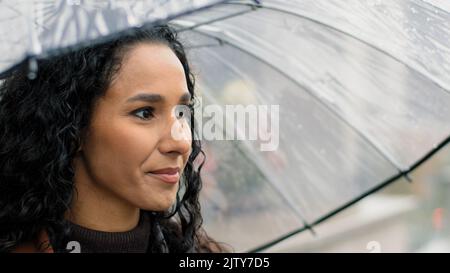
[[168, 175]]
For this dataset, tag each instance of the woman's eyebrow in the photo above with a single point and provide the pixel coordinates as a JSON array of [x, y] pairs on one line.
[[186, 97], [146, 97]]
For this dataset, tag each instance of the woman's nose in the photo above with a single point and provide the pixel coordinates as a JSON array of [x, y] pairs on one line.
[[177, 136]]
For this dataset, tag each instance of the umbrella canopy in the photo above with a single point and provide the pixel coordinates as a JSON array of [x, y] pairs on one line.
[[357, 94], [43, 28]]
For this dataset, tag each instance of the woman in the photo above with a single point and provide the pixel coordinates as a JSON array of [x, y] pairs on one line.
[[88, 155]]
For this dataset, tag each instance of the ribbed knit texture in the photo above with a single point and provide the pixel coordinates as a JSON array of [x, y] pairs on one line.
[[133, 241]]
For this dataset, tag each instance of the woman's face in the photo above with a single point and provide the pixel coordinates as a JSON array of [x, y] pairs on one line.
[[129, 152]]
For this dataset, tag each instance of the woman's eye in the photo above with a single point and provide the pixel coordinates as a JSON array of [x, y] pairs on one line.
[[144, 113]]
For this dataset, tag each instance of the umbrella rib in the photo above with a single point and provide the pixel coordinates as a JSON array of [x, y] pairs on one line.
[[352, 202], [274, 8], [328, 215], [202, 46], [361, 134], [435, 7], [217, 19]]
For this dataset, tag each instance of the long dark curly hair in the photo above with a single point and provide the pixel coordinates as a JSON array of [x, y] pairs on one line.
[[41, 125]]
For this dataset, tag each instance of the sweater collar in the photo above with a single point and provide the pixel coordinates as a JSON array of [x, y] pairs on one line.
[[133, 241]]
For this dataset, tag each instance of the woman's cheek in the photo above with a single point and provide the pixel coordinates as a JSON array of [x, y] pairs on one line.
[[139, 140]]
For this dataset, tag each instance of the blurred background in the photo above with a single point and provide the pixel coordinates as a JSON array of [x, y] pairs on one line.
[[402, 217]]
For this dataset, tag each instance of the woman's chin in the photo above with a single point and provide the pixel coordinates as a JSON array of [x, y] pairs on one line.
[[161, 206]]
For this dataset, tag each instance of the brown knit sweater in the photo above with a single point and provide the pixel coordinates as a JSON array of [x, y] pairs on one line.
[[133, 241], [136, 240]]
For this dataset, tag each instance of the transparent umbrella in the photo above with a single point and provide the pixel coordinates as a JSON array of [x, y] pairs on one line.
[[356, 94]]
